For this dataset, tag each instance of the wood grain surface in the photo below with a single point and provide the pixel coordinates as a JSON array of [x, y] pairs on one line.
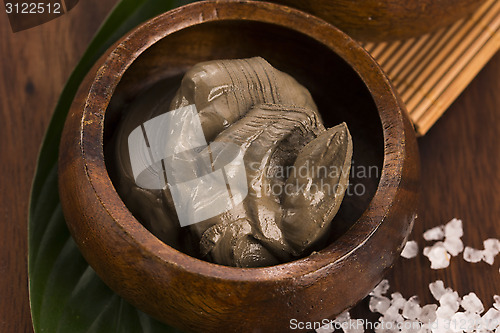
[[35, 65], [387, 19], [460, 161]]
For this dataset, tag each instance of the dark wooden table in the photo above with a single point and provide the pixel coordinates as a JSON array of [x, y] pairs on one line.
[[460, 161]]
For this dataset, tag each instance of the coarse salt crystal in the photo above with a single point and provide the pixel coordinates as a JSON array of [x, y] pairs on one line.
[[412, 308], [472, 303], [451, 300], [395, 296], [472, 255], [343, 317], [379, 304], [491, 319], [437, 289], [491, 250], [453, 229], [472, 322], [410, 250], [488, 257], [438, 256], [392, 315], [398, 301], [492, 244], [496, 298], [381, 288], [444, 312], [458, 322], [434, 234], [428, 313], [454, 246]]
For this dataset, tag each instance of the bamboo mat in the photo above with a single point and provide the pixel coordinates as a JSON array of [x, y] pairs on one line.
[[431, 71]]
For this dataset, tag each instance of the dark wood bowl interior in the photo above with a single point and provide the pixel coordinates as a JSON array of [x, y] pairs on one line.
[[196, 295], [337, 89]]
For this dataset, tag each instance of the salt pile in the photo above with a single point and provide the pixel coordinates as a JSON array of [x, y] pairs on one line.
[[445, 318], [452, 313], [440, 253]]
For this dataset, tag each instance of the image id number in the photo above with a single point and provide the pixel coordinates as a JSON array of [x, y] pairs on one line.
[[33, 8]]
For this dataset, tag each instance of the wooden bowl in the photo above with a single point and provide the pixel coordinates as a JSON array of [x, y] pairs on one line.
[[379, 20], [195, 295]]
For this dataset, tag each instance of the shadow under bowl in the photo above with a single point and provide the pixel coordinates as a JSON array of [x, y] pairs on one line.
[[191, 294]]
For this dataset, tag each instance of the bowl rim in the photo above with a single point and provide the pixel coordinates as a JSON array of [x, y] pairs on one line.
[[391, 113]]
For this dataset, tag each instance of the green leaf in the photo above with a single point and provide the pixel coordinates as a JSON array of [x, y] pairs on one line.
[[66, 295]]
